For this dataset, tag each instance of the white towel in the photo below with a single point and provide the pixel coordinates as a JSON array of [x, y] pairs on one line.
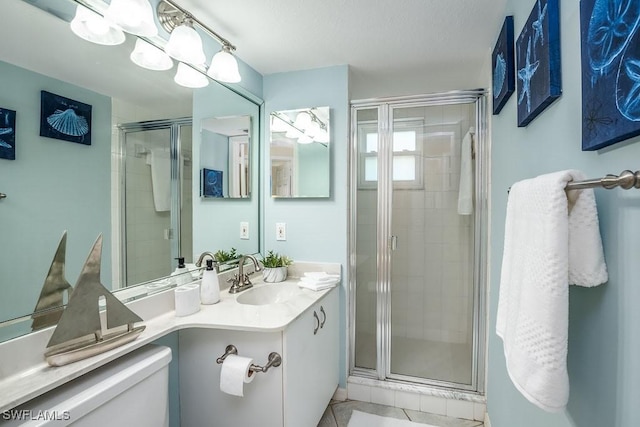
[[318, 286], [161, 179], [549, 243], [465, 191]]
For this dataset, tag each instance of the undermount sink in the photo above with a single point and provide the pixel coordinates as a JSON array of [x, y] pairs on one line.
[[272, 293]]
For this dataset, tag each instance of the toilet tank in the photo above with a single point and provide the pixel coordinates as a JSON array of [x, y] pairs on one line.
[[133, 390]]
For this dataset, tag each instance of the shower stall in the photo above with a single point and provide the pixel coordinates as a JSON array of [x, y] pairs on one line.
[[417, 257], [155, 181]]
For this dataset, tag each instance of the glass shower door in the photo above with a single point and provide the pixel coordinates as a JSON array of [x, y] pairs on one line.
[[432, 258]]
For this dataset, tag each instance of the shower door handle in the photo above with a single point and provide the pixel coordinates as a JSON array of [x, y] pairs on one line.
[[394, 243]]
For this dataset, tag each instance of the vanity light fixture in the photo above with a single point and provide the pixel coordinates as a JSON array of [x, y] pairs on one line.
[[185, 44], [92, 27], [150, 57], [189, 77], [306, 128], [133, 16], [224, 66]]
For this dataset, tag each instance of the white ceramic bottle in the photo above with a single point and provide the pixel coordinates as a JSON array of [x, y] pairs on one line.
[[181, 274], [210, 286]]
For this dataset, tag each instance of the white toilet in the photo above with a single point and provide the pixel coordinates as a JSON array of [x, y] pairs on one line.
[[130, 391]]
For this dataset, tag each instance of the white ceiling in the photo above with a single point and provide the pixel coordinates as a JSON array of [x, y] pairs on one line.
[[392, 47]]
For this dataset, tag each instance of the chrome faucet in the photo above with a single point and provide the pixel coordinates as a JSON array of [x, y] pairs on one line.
[[240, 282], [203, 255]]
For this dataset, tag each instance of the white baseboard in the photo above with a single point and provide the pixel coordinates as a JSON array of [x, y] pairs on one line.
[[487, 421], [340, 394]]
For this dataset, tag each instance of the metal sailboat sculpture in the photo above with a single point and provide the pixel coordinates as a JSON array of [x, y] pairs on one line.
[[79, 332], [50, 303]]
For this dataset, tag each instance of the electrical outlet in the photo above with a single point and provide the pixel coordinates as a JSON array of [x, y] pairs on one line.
[[244, 230], [281, 231]]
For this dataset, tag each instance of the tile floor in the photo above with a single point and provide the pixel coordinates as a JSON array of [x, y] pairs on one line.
[[339, 412]]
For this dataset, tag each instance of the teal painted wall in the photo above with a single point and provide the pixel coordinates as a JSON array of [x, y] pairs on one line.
[[316, 228], [604, 342], [52, 186], [314, 165]]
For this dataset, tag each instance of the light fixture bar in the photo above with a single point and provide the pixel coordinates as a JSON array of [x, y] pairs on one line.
[[171, 15]]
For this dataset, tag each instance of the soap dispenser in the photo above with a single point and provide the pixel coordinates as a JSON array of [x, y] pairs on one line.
[[210, 286], [181, 273]]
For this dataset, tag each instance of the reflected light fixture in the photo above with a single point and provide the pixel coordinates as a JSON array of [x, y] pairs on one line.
[[306, 128], [92, 27], [133, 16], [188, 77], [185, 44], [150, 57]]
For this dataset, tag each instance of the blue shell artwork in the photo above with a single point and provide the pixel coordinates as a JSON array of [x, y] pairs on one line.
[[65, 119], [212, 183], [499, 74], [610, 43], [7, 134], [538, 61], [503, 66]]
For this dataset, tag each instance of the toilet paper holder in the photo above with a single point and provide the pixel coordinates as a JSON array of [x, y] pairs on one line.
[[274, 359]]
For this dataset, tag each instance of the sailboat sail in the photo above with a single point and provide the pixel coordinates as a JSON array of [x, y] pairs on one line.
[[82, 315]]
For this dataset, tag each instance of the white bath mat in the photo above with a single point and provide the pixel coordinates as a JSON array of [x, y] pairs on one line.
[[363, 419]]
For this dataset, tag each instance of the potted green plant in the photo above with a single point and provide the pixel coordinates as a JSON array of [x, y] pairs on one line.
[[275, 267]]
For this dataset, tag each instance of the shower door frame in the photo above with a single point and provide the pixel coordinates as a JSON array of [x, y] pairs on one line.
[[385, 107], [175, 146]]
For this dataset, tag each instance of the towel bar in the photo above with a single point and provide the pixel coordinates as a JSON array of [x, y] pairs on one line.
[[274, 359], [626, 180]]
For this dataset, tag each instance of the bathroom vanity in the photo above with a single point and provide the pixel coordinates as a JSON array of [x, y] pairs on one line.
[[299, 324]]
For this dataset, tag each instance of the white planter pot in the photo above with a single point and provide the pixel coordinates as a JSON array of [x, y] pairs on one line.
[[273, 275]]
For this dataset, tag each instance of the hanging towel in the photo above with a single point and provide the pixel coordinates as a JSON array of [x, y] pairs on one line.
[[161, 179], [465, 192], [549, 243]]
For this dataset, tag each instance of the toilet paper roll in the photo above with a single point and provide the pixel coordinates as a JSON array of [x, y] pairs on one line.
[[187, 299], [235, 374]]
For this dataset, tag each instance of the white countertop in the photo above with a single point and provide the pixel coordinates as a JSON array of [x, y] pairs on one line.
[[20, 383]]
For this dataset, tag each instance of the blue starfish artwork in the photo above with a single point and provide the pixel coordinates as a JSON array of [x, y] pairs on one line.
[[525, 74], [7, 134], [538, 61], [610, 62], [538, 25], [503, 66]]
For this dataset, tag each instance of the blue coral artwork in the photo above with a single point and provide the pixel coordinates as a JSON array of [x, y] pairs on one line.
[[610, 45], [538, 61], [7, 134], [65, 119], [212, 183], [503, 66]]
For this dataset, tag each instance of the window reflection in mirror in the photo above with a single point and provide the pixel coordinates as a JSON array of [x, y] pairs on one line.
[[300, 153], [224, 157]]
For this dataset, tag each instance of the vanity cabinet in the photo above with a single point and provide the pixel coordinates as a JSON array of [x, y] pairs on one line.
[[311, 369], [294, 394]]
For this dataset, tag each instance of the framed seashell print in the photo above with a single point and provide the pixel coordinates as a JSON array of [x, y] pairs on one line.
[[610, 44], [64, 118], [504, 78]]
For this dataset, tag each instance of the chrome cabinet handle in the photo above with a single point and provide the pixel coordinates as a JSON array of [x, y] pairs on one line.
[[324, 317], [317, 323]]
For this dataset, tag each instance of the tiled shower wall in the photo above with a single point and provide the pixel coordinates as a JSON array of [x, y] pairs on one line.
[[432, 280]]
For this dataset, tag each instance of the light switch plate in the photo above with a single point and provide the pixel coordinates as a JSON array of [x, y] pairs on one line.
[[281, 231], [244, 230]]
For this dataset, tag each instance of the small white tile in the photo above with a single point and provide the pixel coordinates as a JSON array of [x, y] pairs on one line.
[[433, 405], [359, 392], [459, 409], [383, 396], [479, 410], [407, 400]]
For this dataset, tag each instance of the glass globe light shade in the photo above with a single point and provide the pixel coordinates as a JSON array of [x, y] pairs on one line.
[[150, 57], [133, 16], [305, 139], [185, 45], [188, 77], [92, 27], [224, 67], [303, 120]]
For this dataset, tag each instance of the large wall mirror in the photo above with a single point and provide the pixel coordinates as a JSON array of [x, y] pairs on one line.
[[300, 153], [138, 116]]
